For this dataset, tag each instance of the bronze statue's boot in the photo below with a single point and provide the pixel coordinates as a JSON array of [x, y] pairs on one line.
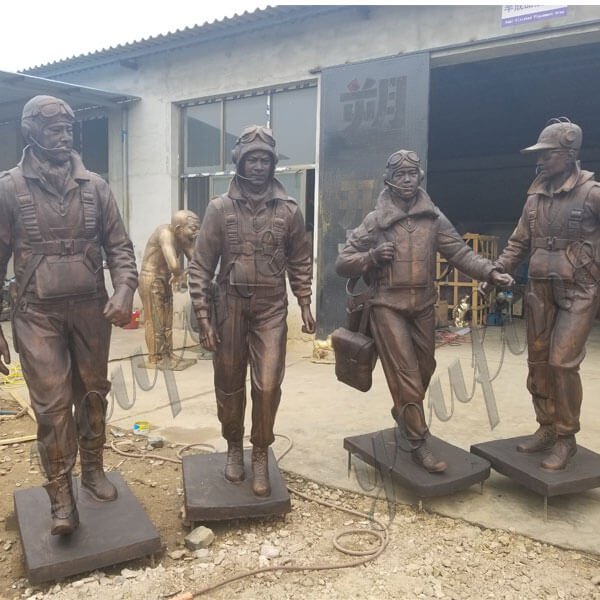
[[260, 471], [234, 468], [93, 478], [424, 457], [65, 518], [563, 450], [542, 439]]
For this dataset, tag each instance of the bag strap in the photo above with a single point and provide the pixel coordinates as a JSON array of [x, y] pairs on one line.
[[368, 293]]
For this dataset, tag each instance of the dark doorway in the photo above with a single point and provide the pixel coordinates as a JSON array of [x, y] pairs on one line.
[[483, 113]]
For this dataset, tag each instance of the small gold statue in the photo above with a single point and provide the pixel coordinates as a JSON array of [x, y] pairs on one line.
[[162, 272], [459, 312]]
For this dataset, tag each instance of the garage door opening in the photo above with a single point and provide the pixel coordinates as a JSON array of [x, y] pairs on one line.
[[483, 113]]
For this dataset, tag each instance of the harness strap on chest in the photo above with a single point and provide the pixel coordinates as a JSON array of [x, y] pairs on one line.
[[231, 226], [550, 243], [60, 247], [26, 206], [237, 246], [40, 247], [532, 216], [30, 218], [574, 229]]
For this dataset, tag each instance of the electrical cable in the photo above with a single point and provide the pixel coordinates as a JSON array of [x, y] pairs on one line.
[[366, 556], [381, 534], [14, 377]]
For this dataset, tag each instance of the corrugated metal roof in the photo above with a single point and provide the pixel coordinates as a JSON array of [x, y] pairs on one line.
[[128, 53], [17, 88]]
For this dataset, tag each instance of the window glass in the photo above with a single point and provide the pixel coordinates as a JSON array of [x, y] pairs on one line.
[[203, 138], [197, 194], [239, 114], [294, 122]]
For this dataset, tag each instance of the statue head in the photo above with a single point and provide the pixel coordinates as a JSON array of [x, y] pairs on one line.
[[557, 147], [256, 145], [47, 125], [185, 225], [403, 174]]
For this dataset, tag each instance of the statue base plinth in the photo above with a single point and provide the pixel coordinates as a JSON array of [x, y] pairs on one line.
[[211, 497], [108, 533], [386, 452], [582, 472]]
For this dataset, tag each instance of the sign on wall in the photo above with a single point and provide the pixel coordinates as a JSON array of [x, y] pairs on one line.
[[368, 111], [516, 14]]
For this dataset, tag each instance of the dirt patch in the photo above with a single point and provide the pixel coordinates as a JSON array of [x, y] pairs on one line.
[[428, 556]]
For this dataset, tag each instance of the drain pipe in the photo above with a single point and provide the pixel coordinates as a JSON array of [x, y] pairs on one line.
[[125, 165]]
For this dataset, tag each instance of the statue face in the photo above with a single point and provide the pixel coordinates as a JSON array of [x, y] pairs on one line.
[[257, 166], [187, 233], [57, 137], [406, 180], [553, 163]]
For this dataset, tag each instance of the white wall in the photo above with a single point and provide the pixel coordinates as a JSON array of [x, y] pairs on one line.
[[281, 55]]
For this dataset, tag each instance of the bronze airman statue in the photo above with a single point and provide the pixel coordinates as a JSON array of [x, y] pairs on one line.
[[559, 230], [256, 233], [56, 217], [394, 250], [161, 273]]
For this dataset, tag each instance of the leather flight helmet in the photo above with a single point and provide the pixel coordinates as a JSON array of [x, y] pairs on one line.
[[41, 110], [402, 158], [255, 137]]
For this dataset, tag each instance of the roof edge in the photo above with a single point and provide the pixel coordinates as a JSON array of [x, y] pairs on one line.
[[189, 36]]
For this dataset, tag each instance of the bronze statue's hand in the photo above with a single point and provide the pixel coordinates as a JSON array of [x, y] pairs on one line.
[[119, 306], [308, 321], [502, 279], [209, 339], [383, 253], [178, 281], [4, 354], [484, 288]]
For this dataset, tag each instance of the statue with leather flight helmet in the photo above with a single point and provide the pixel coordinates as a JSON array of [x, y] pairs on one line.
[[256, 233], [56, 219], [394, 250]]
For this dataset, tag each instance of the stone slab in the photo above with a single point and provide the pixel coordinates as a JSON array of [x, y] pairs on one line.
[[109, 533], [210, 497], [385, 451], [581, 474]]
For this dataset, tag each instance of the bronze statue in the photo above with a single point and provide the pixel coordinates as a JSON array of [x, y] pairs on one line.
[[394, 250], [57, 217], [161, 273], [559, 230], [257, 233]]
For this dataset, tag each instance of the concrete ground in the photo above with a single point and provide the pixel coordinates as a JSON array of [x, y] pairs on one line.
[[317, 412]]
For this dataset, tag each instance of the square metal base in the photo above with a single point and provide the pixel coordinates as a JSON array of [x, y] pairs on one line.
[[210, 497], [389, 454], [109, 532], [582, 472]]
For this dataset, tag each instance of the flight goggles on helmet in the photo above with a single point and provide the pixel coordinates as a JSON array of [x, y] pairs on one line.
[[47, 107], [264, 134], [255, 137], [397, 159]]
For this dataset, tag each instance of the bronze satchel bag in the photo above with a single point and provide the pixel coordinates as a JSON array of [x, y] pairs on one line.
[[355, 351]]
